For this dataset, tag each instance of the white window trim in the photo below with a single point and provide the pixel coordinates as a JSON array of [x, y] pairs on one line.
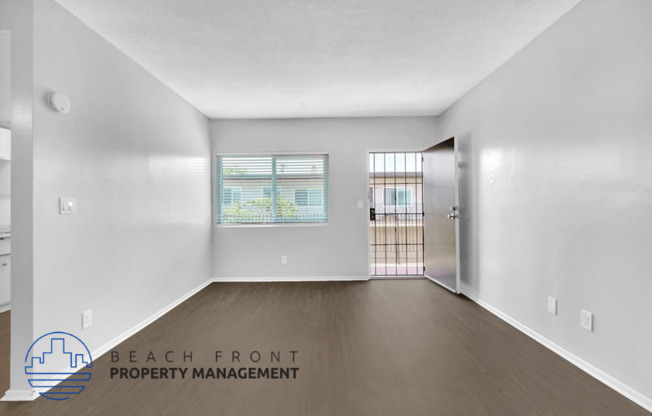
[[266, 225]]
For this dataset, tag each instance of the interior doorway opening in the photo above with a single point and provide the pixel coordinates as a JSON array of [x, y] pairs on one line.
[[396, 214]]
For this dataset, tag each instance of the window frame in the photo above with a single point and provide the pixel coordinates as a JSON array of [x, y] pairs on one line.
[[325, 196], [407, 191], [279, 190], [308, 198]]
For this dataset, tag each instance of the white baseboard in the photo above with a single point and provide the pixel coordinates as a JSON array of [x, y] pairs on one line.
[[595, 372], [5, 307], [292, 279], [19, 396], [29, 395]]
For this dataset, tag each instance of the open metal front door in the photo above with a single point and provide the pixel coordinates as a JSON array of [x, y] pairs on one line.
[[441, 213]]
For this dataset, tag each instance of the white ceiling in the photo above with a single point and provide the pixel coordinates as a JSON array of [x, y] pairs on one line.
[[328, 58]]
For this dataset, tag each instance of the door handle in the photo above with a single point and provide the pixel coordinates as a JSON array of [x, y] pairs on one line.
[[454, 212]]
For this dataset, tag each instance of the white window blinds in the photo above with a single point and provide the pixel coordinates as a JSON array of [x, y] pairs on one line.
[[272, 189]]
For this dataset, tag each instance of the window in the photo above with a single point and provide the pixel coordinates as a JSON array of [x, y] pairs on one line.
[[232, 195], [272, 189], [267, 191], [404, 196], [400, 196], [308, 197]]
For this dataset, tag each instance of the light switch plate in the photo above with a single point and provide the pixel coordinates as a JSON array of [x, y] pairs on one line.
[[67, 206], [360, 205]]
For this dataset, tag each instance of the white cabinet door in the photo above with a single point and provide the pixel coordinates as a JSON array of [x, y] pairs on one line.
[[5, 280]]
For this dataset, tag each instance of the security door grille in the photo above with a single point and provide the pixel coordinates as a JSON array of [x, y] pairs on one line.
[[396, 214]]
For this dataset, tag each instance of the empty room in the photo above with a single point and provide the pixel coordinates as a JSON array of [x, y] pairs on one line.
[[350, 207]]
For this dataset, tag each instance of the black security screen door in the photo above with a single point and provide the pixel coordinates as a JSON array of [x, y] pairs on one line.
[[396, 214]]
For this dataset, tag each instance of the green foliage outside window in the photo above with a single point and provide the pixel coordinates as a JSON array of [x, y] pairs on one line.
[[253, 211]]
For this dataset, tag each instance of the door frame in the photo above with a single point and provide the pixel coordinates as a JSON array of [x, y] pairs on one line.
[[368, 221]]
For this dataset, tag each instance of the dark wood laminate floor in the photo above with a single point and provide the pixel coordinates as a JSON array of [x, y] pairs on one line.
[[364, 348]]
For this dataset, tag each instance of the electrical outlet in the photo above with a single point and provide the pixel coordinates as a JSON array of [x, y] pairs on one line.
[[284, 259], [586, 320], [87, 318], [552, 305]]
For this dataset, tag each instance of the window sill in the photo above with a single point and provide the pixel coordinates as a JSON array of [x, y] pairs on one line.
[[273, 225]]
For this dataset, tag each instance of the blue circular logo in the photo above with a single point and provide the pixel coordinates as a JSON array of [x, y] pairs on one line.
[[58, 365]]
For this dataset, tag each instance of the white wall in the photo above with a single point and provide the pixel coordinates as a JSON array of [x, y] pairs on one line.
[[5, 116], [5, 76], [556, 148], [5, 186], [17, 16], [339, 249], [136, 157]]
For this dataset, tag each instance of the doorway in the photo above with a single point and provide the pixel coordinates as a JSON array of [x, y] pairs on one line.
[[396, 214], [414, 215]]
